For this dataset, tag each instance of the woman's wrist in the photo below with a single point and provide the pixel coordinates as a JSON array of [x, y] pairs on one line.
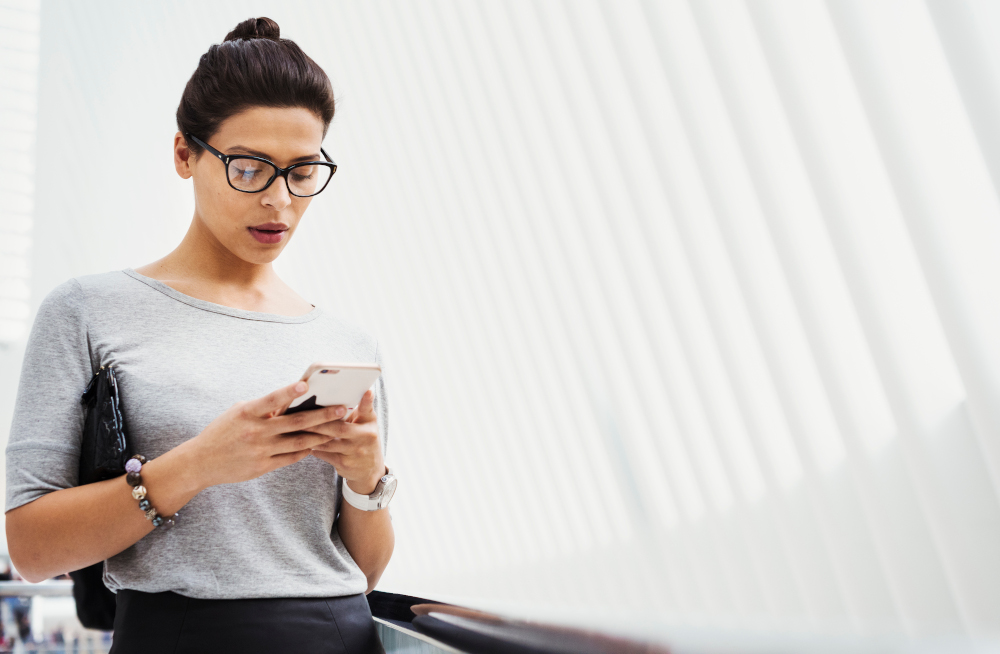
[[192, 467], [367, 486], [174, 478]]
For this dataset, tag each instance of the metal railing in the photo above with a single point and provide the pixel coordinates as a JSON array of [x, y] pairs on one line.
[[405, 624], [49, 588]]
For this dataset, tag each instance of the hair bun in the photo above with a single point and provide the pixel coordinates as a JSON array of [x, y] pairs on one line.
[[255, 28]]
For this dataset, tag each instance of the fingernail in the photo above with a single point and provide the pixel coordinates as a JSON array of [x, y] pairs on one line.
[[301, 386], [340, 411]]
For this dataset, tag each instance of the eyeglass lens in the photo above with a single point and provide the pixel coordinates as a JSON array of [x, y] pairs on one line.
[[251, 175]]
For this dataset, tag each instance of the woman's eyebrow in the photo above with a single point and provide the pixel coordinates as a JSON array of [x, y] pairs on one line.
[[264, 155]]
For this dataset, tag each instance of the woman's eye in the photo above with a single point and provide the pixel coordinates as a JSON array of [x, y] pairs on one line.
[[301, 178]]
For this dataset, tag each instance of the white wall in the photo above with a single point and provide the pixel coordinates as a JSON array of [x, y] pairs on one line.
[[690, 308]]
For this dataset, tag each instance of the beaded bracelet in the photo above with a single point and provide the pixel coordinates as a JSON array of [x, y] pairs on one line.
[[132, 468]]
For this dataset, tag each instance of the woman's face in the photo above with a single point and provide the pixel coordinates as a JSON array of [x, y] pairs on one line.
[[284, 136]]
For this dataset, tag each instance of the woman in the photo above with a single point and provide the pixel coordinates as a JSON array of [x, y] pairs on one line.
[[264, 555]]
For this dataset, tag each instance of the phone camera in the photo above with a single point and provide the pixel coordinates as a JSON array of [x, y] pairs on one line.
[[323, 371]]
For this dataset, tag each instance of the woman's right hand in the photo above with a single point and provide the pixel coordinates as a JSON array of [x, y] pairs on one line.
[[250, 438]]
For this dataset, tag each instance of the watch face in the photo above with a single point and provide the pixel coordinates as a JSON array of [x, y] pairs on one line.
[[388, 492]]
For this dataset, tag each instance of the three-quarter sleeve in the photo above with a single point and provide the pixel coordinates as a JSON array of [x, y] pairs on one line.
[[43, 451]]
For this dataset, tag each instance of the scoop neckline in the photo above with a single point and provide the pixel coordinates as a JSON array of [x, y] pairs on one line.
[[205, 305]]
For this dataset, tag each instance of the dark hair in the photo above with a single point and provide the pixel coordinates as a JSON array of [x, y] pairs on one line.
[[252, 67]]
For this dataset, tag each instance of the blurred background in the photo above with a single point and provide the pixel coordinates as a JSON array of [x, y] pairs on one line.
[[690, 309]]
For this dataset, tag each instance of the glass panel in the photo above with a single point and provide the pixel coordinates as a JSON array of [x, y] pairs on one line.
[[398, 641]]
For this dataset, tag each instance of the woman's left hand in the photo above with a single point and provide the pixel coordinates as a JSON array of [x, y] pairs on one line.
[[355, 450]]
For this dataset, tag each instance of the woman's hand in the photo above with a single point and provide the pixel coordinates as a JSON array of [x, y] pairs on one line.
[[353, 446], [251, 439]]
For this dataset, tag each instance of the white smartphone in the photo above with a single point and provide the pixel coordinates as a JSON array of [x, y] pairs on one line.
[[335, 383]]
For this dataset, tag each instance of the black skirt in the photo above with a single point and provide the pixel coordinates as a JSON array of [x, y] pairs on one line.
[[155, 623]]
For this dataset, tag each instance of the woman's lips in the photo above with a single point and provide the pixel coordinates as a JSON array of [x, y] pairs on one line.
[[267, 236]]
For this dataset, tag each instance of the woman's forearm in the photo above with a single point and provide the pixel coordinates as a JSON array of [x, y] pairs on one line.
[[73, 528], [368, 536]]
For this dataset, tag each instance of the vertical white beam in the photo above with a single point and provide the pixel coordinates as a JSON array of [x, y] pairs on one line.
[[20, 36]]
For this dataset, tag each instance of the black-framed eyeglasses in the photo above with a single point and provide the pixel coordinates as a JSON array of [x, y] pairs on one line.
[[251, 174]]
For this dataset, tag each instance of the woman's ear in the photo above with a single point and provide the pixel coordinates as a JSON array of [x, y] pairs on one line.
[[183, 158]]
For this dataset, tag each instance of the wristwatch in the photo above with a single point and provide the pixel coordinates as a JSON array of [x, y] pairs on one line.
[[379, 499]]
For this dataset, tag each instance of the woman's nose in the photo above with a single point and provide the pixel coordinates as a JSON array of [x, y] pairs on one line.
[[277, 195]]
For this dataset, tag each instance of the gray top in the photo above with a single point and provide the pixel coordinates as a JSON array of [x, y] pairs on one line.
[[180, 362]]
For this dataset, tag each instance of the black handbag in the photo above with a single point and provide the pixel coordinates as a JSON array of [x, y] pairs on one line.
[[103, 453]]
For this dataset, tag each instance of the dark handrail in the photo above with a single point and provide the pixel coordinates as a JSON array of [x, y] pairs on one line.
[[477, 632]]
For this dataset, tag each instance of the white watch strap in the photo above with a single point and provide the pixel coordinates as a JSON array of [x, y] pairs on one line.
[[359, 501]]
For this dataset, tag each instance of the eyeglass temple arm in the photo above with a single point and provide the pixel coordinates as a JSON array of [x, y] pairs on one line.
[[208, 147]]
